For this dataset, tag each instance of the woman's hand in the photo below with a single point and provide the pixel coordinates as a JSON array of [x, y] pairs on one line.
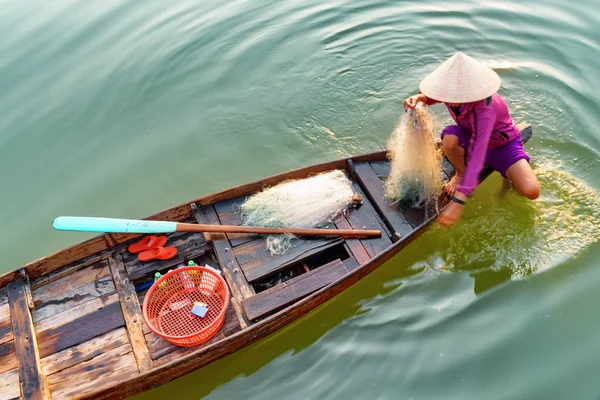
[[451, 214], [453, 211], [412, 101]]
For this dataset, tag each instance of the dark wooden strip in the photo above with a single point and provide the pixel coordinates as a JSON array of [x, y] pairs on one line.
[[228, 212], [239, 287], [366, 217], [293, 290], [8, 357], [132, 313], [189, 245], [257, 262], [84, 352], [81, 330], [33, 381], [373, 187], [354, 245], [72, 298], [381, 168], [9, 385]]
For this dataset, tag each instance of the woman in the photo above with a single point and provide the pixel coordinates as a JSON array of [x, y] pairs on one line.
[[484, 131]]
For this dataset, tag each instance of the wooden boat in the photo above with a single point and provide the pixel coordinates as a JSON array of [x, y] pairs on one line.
[[71, 324]]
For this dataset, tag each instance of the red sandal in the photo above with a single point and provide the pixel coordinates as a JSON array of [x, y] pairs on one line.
[[147, 243], [157, 253]]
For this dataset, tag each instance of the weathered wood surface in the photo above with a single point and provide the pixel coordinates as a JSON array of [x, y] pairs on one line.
[[132, 313], [6, 333], [189, 245], [257, 262], [65, 293], [33, 381], [103, 371], [79, 324], [9, 385], [8, 356], [228, 212], [84, 352], [373, 186], [288, 292], [381, 168]]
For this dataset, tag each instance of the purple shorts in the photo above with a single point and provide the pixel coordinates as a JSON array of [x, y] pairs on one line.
[[499, 158]]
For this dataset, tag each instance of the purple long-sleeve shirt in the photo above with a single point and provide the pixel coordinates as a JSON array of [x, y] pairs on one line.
[[489, 126]]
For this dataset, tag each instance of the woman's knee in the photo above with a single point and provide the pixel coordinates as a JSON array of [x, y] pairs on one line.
[[450, 142], [531, 190]]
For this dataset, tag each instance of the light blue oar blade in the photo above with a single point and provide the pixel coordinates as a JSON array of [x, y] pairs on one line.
[[93, 224]]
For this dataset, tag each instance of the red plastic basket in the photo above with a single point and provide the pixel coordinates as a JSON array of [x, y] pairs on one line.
[[169, 302]]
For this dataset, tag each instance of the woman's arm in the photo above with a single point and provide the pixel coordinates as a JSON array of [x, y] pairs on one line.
[[412, 101], [483, 124]]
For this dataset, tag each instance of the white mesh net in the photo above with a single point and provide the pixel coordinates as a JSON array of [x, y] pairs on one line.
[[415, 177], [303, 203]]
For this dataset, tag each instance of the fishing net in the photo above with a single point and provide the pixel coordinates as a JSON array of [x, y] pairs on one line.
[[415, 178], [302, 203]]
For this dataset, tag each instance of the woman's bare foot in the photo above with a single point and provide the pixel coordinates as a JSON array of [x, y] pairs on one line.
[[450, 187]]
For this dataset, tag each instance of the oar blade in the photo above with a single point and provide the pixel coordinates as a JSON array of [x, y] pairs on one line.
[[94, 224]]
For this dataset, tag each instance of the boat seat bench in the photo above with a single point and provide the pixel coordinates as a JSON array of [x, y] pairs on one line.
[[288, 292]]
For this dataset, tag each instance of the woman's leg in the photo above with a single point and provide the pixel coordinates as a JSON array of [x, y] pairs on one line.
[[454, 141], [523, 179], [512, 162]]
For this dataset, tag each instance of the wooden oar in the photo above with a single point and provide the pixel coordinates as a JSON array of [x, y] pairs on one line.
[[93, 224]]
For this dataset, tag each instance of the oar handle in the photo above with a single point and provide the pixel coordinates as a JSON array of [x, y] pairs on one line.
[[263, 230], [94, 224]]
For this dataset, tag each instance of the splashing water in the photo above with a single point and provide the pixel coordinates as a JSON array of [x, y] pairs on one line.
[[415, 161], [523, 237]]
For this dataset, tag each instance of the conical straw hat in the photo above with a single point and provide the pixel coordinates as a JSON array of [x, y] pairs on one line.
[[460, 79]]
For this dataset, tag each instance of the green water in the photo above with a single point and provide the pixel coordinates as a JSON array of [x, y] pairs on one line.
[[124, 108]]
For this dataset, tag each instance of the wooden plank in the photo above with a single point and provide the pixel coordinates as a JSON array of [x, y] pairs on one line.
[[373, 187], [381, 168], [8, 356], [33, 381], [189, 245], [105, 370], [228, 212], [9, 385], [288, 292], [84, 352], [132, 313], [75, 313], [66, 284], [354, 245], [6, 333], [81, 330], [257, 262], [54, 303]]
